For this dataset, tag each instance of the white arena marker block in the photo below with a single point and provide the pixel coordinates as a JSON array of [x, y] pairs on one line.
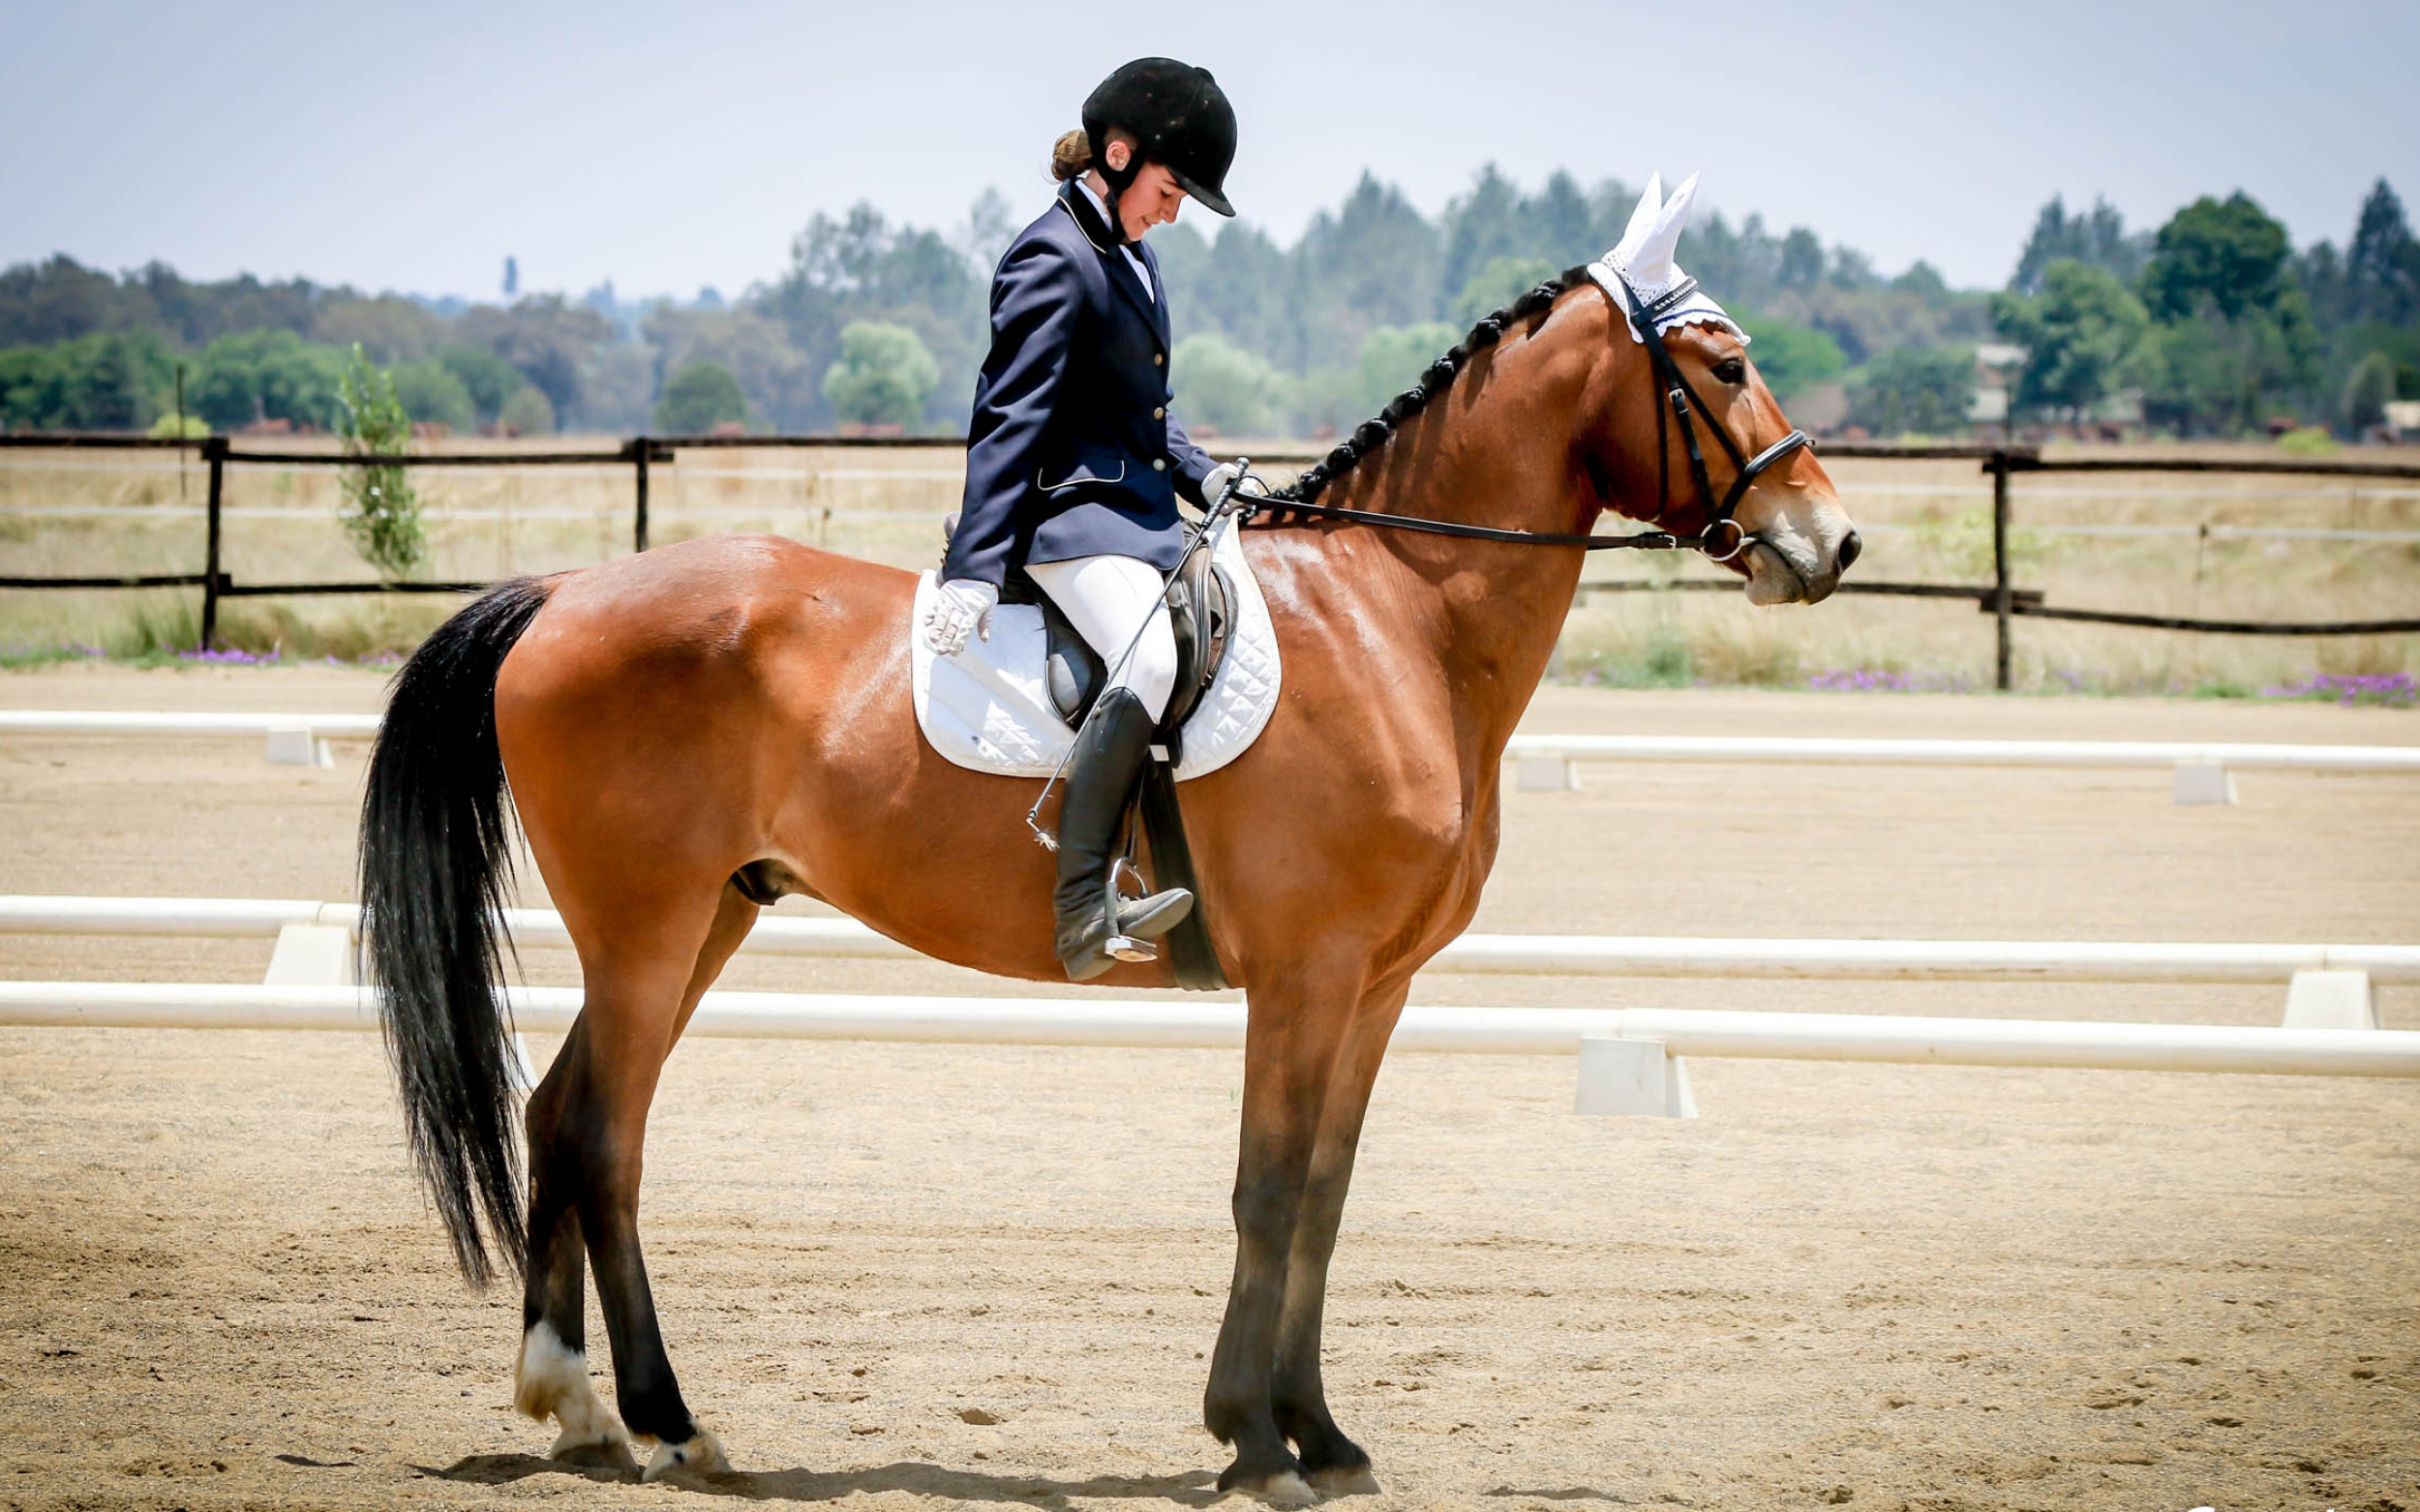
[[2204, 782], [2331, 1000], [1546, 774], [1631, 1078], [297, 748], [312, 955]]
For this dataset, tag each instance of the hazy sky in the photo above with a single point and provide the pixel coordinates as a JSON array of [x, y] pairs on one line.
[[665, 147]]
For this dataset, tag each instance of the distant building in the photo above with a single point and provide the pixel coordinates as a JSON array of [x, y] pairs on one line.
[[1997, 365], [1821, 408]]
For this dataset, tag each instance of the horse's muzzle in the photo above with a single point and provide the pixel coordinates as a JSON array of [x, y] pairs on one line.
[[1776, 575]]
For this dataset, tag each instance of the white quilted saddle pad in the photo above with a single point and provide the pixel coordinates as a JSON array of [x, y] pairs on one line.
[[987, 708]]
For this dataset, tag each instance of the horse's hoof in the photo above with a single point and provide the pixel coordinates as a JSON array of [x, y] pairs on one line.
[[701, 1455], [588, 1430], [592, 1452], [1285, 1489], [1344, 1480], [550, 1380]]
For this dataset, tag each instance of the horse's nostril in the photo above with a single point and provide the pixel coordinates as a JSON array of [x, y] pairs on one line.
[[1850, 546]]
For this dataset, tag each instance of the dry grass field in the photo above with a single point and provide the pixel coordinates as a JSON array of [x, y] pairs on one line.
[[904, 1277], [2133, 542]]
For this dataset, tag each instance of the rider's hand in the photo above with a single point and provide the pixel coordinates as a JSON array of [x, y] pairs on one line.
[[1214, 485], [959, 605]]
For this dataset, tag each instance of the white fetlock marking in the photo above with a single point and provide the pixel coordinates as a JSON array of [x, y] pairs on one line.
[[552, 1380], [701, 1455], [1285, 1489]]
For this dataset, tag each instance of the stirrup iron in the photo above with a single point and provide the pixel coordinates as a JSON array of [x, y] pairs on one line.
[[1123, 947]]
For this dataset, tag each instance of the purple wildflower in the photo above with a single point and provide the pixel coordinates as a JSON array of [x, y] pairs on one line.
[[233, 655], [2386, 689], [1878, 679]]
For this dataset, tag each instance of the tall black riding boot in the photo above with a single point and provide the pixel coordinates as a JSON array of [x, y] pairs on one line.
[[1097, 927]]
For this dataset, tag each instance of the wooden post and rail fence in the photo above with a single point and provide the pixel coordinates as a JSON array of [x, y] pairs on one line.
[[2000, 599]]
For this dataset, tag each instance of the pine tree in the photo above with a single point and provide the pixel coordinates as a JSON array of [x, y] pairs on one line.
[[2382, 265]]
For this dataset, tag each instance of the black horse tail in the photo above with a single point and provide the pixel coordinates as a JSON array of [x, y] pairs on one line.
[[434, 868]]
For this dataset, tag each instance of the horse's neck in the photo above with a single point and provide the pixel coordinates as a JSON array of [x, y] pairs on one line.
[[1499, 455]]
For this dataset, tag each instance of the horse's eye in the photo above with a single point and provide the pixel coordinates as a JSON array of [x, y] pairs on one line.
[[1731, 369]]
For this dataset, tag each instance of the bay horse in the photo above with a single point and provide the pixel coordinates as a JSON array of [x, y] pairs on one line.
[[690, 733]]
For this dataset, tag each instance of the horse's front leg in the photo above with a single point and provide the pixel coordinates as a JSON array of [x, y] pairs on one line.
[[1296, 1030], [1333, 1464]]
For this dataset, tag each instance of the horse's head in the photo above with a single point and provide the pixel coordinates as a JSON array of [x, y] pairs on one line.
[[1680, 430]]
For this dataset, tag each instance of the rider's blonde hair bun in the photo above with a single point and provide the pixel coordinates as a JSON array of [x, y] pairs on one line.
[[1071, 155]]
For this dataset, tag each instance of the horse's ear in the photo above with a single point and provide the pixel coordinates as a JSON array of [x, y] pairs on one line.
[[1649, 262], [1642, 220]]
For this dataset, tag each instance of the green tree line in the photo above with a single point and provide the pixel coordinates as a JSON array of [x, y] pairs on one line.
[[2214, 320]]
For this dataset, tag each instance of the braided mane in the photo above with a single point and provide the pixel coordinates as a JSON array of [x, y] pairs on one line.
[[1371, 434]]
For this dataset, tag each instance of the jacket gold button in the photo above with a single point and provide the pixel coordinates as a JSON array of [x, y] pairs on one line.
[[1156, 359], [1159, 465], [1158, 414]]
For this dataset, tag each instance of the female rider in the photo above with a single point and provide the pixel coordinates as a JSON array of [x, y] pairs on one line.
[[1074, 462]]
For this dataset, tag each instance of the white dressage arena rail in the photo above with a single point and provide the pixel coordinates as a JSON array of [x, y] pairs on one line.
[[1157, 1024], [1543, 762], [293, 740], [1630, 1059], [1521, 954], [1877, 751], [120, 721], [2204, 770]]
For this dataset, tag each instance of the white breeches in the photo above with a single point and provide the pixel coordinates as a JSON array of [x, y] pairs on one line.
[[1109, 599]]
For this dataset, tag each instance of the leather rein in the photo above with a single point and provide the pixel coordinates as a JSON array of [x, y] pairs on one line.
[[1685, 405]]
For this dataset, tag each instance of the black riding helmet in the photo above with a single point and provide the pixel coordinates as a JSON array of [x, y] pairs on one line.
[[1179, 119]]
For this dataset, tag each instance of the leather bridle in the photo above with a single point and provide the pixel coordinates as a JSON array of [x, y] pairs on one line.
[[1684, 405]]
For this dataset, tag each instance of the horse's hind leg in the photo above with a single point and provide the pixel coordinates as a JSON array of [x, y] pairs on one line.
[[551, 1377], [643, 983]]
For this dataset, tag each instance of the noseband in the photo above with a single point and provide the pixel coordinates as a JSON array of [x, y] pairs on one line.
[[1684, 405]]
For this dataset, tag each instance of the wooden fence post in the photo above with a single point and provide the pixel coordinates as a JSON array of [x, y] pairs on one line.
[[214, 449], [640, 448], [1999, 592]]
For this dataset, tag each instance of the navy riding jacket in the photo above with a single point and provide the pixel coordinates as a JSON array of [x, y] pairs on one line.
[[1072, 450]]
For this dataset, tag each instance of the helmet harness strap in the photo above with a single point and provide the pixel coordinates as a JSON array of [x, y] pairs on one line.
[[1119, 180]]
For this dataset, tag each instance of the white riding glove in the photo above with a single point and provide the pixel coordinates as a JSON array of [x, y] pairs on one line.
[[1215, 484], [959, 605]]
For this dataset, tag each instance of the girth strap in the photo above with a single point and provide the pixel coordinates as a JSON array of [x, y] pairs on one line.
[[1191, 952]]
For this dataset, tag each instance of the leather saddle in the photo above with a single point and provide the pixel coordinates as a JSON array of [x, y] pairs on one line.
[[1200, 611]]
